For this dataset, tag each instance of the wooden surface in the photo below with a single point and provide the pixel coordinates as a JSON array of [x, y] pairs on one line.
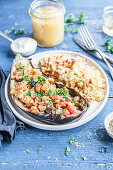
[[91, 136]]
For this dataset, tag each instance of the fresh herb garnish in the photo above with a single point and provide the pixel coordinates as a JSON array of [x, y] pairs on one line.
[[72, 141], [27, 93], [21, 66], [69, 19], [74, 29], [63, 100], [61, 92], [25, 77], [27, 151], [50, 92], [108, 45], [67, 150], [18, 32], [39, 80], [84, 158], [76, 103], [54, 81], [38, 150], [81, 19], [56, 108], [39, 94], [66, 30], [39, 100], [67, 97], [64, 110]]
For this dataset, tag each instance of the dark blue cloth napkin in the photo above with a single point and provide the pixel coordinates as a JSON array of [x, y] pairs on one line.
[[8, 122]]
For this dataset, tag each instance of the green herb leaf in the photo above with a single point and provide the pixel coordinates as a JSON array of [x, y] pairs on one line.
[[56, 108], [39, 80], [67, 150], [61, 92], [67, 97], [63, 99], [38, 150], [50, 92], [66, 30], [74, 29], [76, 103], [54, 81], [39, 94], [21, 66], [72, 141], [108, 45], [82, 19], [84, 158], [27, 93], [27, 151], [69, 19], [39, 100], [26, 78], [64, 110]]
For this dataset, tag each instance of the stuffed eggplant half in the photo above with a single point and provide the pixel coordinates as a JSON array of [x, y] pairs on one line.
[[43, 98]]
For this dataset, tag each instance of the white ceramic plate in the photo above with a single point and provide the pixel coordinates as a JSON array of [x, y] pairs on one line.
[[93, 110]]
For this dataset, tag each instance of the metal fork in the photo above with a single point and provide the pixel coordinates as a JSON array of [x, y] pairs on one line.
[[91, 46]]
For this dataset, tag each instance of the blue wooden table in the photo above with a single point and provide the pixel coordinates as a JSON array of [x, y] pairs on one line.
[[91, 138]]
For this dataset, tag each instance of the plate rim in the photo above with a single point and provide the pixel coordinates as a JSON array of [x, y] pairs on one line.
[[43, 126]]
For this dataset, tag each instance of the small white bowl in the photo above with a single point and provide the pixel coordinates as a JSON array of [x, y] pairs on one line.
[[107, 120], [30, 50]]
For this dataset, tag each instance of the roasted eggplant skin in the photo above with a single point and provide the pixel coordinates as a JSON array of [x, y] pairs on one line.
[[50, 118]]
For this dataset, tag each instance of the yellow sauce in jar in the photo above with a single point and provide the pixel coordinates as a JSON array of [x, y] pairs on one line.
[[48, 30]]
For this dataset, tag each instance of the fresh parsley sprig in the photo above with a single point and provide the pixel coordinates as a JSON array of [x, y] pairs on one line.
[[108, 45]]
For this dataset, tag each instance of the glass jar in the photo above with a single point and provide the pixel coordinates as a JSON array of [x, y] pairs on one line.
[[47, 21], [108, 20]]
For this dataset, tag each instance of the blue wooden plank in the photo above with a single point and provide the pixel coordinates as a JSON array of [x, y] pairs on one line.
[[91, 136]]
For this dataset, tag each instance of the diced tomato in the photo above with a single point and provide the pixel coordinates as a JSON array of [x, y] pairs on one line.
[[57, 97], [61, 104], [42, 103], [38, 87], [29, 104], [14, 73], [71, 109], [52, 108], [75, 83], [57, 73], [33, 96], [68, 100], [90, 81]]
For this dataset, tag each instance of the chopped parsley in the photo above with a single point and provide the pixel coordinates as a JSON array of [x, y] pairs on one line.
[[69, 19], [39, 94], [66, 30], [39, 80], [67, 97], [26, 78], [63, 99], [108, 45], [74, 29], [72, 141], [76, 103], [50, 92], [84, 158], [38, 150], [67, 150], [39, 100], [27, 93], [81, 19], [61, 92], [27, 151], [56, 108], [54, 81], [21, 66], [18, 32], [64, 110]]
